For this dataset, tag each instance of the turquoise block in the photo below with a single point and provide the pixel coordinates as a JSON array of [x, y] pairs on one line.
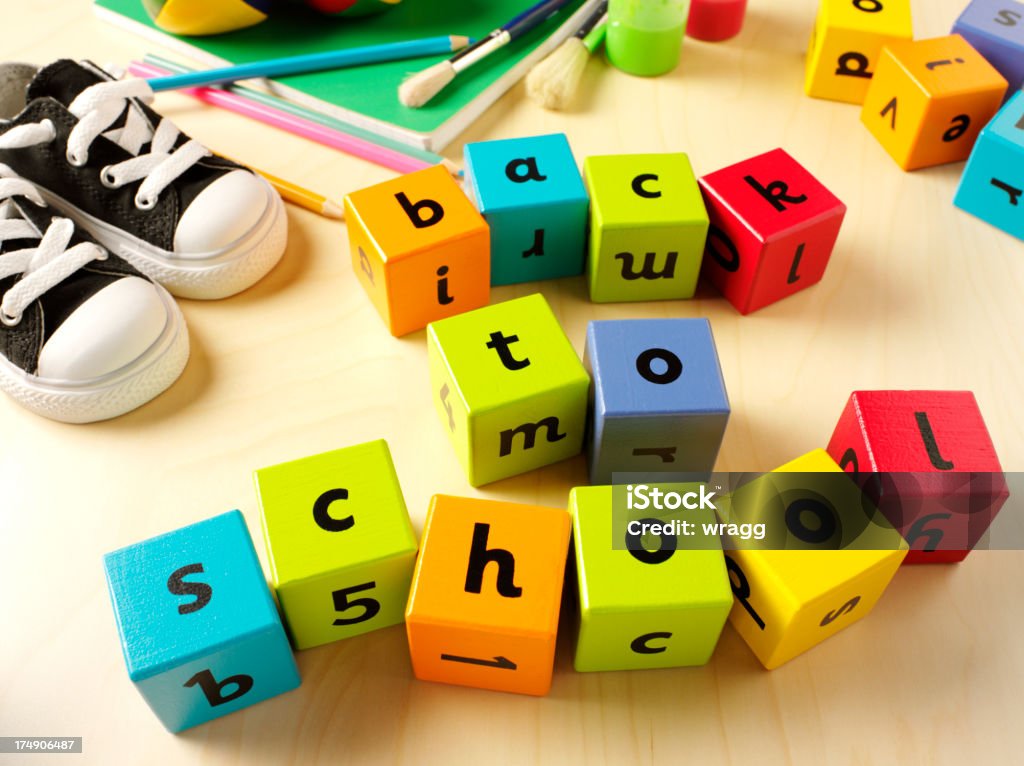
[[992, 186], [199, 630], [531, 193]]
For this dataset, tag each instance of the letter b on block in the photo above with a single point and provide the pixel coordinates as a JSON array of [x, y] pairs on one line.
[[531, 193], [339, 540], [199, 629], [508, 388], [647, 227], [773, 227], [483, 610], [419, 248]]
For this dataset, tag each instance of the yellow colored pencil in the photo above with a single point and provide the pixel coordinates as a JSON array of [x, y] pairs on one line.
[[310, 200]]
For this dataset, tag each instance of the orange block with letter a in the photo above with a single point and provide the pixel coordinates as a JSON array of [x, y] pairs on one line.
[[929, 100], [419, 248], [483, 609]]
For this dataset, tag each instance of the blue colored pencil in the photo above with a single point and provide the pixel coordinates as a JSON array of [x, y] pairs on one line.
[[313, 62]]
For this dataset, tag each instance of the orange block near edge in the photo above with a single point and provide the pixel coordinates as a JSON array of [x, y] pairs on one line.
[[419, 248], [483, 609]]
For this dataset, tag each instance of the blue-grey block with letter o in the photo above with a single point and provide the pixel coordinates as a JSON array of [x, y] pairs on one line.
[[658, 399], [531, 193], [992, 186], [199, 630]]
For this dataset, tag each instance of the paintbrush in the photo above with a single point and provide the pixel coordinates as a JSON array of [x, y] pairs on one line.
[[553, 82]]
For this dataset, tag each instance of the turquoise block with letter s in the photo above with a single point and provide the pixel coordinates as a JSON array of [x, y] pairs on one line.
[[199, 630], [531, 193]]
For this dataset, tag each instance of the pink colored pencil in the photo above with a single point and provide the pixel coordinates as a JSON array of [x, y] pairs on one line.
[[307, 129]]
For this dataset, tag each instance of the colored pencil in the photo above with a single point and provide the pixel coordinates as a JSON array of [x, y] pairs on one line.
[[312, 62], [284, 105], [303, 197], [313, 131]]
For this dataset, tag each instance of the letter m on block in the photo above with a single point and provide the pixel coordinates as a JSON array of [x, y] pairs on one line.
[[529, 432]]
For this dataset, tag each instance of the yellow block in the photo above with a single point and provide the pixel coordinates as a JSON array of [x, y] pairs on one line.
[[788, 601], [929, 100], [846, 42]]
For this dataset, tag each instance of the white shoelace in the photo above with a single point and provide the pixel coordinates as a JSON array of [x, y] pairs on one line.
[[48, 263]]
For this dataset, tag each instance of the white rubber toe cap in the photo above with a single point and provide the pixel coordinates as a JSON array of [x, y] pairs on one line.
[[223, 212], [110, 330]]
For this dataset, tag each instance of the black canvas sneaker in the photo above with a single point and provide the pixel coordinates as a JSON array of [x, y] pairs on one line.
[[201, 225], [83, 335]]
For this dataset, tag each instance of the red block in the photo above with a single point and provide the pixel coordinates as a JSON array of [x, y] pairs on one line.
[[773, 227], [715, 20], [927, 460]]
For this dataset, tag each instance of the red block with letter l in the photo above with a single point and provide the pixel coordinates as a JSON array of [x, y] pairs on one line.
[[927, 460], [773, 227]]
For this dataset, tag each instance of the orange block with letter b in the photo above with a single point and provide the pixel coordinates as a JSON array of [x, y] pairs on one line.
[[483, 609], [419, 248], [929, 100]]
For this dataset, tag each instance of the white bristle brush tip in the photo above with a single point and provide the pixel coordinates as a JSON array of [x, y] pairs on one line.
[[423, 86], [553, 82]]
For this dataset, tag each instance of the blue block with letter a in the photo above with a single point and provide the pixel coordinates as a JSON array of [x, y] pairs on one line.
[[531, 193], [992, 186], [658, 399], [199, 630]]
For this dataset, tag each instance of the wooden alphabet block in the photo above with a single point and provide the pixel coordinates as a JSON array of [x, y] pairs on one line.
[[643, 606], [658, 400], [773, 227], [831, 556], [929, 99], [486, 593], [198, 626], [339, 540], [647, 227], [992, 186], [995, 28], [508, 388], [531, 194], [419, 248], [926, 459], [847, 40]]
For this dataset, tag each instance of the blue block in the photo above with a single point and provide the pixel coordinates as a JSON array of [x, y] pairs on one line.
[[996, 29], [199, 644], [531, 193], [658, 399], [992, 186]]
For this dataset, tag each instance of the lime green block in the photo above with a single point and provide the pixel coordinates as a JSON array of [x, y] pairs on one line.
[[508, 387], [340, 542], [635, 614], [648, 225]]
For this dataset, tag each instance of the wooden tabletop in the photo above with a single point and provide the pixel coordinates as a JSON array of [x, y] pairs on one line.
[[917, 295]]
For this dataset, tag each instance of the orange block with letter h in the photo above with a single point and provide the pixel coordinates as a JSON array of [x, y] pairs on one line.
[[419, 248], [483, 609]]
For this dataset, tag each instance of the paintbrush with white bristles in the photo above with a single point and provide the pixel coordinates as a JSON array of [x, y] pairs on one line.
[[552, 83], [421, 87]]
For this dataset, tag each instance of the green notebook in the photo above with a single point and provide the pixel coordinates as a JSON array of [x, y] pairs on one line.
[[367, 97]]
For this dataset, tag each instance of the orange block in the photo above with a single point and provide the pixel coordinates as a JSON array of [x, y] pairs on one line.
[[929, 100], [419, 248], [483, 610]]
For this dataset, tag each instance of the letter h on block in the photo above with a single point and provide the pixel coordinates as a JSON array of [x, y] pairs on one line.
[[828, 556], [992, 186], [531, 194], [773, 227], [419, 248], [198, 626], [508, 388], [339, 540], [658, 398], [647, 227], [483, 610], [927, 460]]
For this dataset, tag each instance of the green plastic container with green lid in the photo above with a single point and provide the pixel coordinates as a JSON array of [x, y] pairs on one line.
[[645, 36]]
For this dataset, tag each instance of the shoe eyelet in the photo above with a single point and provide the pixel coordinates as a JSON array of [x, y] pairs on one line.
[[108, 179], [9, 320], [74, 160], [145, 203]]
